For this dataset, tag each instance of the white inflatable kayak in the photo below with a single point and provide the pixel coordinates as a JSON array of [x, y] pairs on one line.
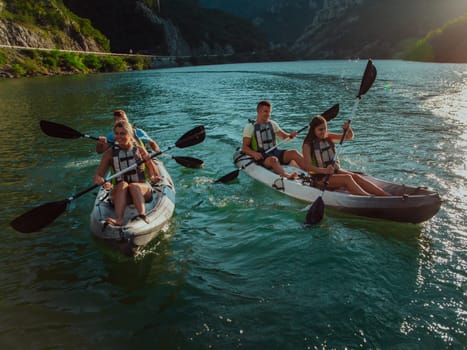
[[135, 232], [406, 203]]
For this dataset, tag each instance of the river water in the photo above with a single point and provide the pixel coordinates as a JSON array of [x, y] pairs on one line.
[[237, 270]]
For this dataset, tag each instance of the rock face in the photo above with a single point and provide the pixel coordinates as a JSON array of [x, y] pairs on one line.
[[328, 24], [319, 29], [69, 38], [174, 41], [13, 34]]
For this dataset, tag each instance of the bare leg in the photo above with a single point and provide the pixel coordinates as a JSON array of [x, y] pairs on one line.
[[274, 164], [139, 192], [346, 180], [119, 195], [367, 185], [294, 158]]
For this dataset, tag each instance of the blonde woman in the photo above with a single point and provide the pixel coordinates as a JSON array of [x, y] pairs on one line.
[[132, 186]]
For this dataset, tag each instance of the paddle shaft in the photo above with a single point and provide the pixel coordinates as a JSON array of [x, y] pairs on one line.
[[190, 138], [117, 174], [364, 87], [43, 215], [91, 137], [336, 154], [316, 210], [328, 115]]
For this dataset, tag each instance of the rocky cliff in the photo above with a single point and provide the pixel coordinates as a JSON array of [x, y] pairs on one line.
[[168, 27], [17, 31], [14, 34], [344, 28]]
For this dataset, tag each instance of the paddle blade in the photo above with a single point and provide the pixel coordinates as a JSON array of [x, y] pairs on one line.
[[189, 162], [229, 177], [192, 137], [331, 113], [315, 213], [368, 78], [37, 218], [59, 130]]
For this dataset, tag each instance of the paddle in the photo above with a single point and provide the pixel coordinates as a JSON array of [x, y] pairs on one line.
[[61, 131], [37, 218], [329, 114], [188, 162], [316, 211], [65, 132]]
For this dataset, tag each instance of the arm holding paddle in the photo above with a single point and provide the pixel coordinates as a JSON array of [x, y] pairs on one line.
[[65, 132], [321, 160], [102, 144], [119, 115], [39, 217], [354, 182], [328, 114], [257, 155], [259, 141], [134, 184], [308, 152]]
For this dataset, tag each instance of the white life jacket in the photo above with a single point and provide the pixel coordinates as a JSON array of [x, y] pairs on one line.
[[123, 159], [323, 153], [264, 137]]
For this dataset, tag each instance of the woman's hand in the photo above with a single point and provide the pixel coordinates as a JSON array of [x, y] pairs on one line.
[[155, 178], [329, 169], [346, 125], [144, 153], [98, 180], [102, 140]]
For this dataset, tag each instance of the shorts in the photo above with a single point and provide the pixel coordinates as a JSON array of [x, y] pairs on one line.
[[279, 153]]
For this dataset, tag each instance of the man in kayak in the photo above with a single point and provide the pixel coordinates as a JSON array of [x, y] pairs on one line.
[[259, 142], [318, 152], [119, 115]]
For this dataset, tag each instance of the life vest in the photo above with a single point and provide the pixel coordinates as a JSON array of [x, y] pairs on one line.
[[122, 159], [263, 138], [323, 153]]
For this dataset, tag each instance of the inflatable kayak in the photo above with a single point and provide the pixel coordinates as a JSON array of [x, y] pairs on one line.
[[135, 232], [406, 203]]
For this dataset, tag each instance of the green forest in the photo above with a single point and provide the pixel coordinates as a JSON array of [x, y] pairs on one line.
[[446, 44]]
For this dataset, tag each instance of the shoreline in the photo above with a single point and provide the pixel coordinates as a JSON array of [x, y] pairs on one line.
[[20, 62]]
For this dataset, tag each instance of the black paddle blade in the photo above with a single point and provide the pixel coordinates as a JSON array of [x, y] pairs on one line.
[[189, 162], [229, 177], [59, 130], [368, 79], [331, 113], [192, 137], [37, 218], [315, 213]]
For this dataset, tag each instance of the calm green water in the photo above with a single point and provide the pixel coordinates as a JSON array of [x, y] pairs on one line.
[[237, 269]]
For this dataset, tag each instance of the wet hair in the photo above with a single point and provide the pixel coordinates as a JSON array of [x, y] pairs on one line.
[[263, 103], [315, 122]]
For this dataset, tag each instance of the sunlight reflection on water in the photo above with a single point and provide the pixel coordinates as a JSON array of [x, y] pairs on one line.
[[237, 255]]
